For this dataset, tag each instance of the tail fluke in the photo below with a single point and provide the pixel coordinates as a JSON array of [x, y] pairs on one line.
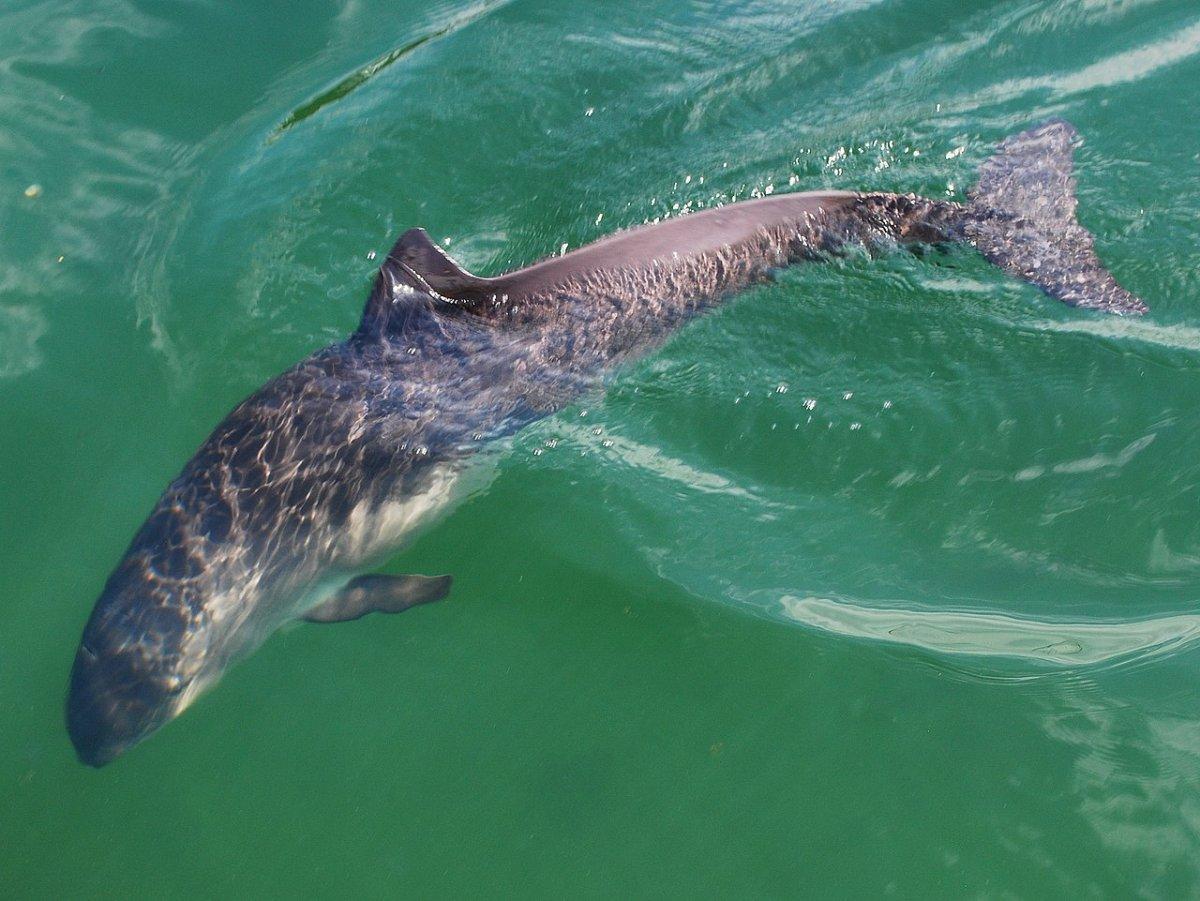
[[1021, 216]]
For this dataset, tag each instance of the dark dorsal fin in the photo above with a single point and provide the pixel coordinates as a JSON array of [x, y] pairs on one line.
[[418, 271], [416, 252]]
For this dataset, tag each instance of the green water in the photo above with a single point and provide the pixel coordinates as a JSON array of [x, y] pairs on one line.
[[935, 636]]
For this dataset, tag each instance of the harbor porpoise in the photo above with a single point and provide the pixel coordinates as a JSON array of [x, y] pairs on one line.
[[328, 468]]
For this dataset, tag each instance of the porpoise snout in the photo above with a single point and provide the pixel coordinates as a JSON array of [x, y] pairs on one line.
[[111, 706]]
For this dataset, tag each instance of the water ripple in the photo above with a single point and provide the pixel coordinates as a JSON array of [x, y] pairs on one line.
[[1179, 337], [20, 329], [646, 458], [1084, 643], [361, 76]]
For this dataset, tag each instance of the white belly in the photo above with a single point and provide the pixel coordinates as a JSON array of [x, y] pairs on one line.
[[243, 619], [374, 531]]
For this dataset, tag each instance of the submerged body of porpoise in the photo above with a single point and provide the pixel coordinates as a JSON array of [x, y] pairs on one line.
[[333, 464]]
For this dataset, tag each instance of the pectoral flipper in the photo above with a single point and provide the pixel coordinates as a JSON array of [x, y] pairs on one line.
[[379, 594]]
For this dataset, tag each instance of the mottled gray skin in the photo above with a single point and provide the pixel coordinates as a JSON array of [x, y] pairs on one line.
[[305, 483]]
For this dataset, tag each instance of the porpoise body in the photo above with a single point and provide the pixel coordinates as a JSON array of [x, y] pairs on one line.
[[328, 468]]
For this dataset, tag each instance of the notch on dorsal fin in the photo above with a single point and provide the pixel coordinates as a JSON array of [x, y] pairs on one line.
[[417, 268], [417, 252]]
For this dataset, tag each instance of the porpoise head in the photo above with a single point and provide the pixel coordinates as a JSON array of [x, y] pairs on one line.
[[231, 548], [146, 651]]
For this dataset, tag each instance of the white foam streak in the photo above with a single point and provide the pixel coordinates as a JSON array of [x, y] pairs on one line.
[[1133, 64], [652, 460], [1182, 337], [1120, 68], [1083, 643]]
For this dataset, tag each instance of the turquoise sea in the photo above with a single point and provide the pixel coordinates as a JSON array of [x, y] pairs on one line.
[[881, 580]]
